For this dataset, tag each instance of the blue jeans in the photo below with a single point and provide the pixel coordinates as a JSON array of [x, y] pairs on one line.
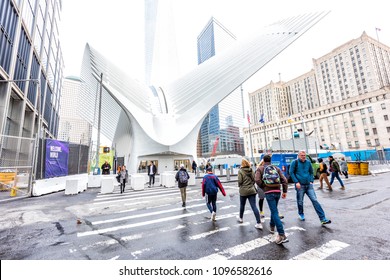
[[211, 202], [309, 190], [337, 176], [252, 202], [272, 200]]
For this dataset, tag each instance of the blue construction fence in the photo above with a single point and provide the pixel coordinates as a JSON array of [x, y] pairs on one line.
[[362, 155]]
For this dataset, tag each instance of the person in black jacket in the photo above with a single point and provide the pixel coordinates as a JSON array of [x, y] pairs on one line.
[[182, 179], [152, 170], [106, 168]]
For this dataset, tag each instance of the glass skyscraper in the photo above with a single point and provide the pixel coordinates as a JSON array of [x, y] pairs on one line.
[[220, 132], [31, 71]]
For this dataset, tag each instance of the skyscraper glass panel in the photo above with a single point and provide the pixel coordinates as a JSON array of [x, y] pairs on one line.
[[221, 129]]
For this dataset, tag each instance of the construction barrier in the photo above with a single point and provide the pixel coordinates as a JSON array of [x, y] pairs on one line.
[[353, 167], [364, 168], [7, 180], [14, 191]]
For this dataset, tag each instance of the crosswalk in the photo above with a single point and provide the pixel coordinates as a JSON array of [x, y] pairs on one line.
[[152, 224]]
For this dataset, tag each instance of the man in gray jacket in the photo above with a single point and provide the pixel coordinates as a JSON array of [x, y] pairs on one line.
[[301, 173]]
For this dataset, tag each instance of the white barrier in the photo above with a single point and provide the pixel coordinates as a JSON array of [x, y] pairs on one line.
[[71, 186], [167, 179], [137, 182], [107, 185], [94, 181], [191, 181]]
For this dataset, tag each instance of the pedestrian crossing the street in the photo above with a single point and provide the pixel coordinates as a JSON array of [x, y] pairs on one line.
[[152, 224]]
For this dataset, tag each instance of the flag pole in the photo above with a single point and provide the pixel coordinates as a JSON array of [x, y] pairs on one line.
[[265, 136], [376, 30]]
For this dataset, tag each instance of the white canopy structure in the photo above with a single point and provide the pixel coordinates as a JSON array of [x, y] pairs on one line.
[[163, 121]]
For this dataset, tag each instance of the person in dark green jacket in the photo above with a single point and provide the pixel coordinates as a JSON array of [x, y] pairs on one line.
[[301, 173], [247, 190]]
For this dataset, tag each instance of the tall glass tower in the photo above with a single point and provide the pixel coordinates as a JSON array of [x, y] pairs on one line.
[[221, 131], [31, 71]]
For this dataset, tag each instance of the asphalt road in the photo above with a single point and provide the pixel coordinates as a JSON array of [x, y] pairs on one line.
[[152, 225]]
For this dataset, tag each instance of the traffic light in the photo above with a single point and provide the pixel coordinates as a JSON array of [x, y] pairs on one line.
[[106, 150]]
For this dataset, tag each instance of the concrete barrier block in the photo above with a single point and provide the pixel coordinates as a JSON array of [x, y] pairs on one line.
[[94, 181], [71, 186], [107, 185], [167, 180], [137, 182], [191, 181]]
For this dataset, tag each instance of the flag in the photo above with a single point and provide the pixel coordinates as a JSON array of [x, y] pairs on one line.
[[377, 29], [290, 120], [261, 120], [249, 119]]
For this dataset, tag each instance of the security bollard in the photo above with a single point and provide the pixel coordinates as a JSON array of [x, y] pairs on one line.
[[227, 174]]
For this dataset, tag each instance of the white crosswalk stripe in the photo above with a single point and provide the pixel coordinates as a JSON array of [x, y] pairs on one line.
[[323, 251], [124, 226]]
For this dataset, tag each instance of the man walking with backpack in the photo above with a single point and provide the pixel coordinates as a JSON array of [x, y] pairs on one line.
[[301, 173], [269, 178], [210, 186], [182, 179]]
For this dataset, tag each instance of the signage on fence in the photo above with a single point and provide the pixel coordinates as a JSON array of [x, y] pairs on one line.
[[56, 161]]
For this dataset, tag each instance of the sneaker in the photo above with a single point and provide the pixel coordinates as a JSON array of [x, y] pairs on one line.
[[184, 204], [326, 221], [149, 186], [272, 229], [301, 217], [262, 214], [330, 189], [281, 216], [259, 226], [281, 239], [239, 220], [342, 188], [213, 216]]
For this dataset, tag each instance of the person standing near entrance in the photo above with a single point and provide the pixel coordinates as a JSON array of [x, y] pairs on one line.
[[301, 172], [152, 170], [194, 166], [182, 179], [269, 178], [123, 178], [106, 168]]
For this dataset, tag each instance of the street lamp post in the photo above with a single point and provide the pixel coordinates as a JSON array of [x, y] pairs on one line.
[[304, 133], [250, 137], [292, 137], [99, 122], [280, 141]]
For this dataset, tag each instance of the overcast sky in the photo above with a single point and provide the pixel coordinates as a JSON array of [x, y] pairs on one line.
[[115, 28]]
